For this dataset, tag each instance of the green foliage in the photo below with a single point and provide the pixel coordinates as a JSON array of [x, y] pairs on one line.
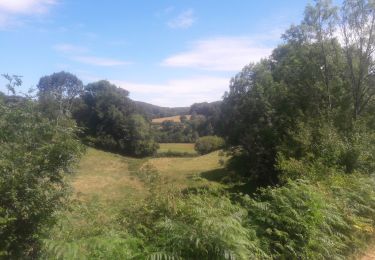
[[207, 144], [204, 226], [35, 154], [200, 226], [314, 152], [110, 121], [142, 141], [187, 131], [57, 92], [297, 221], [328, 217], [313, 84], [85, 232]]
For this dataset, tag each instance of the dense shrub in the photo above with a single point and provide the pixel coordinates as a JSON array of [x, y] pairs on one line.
[[208, 144], [35, 154], [298, 222]]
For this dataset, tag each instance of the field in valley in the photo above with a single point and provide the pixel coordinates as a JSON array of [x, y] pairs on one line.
[[177, 147], [106, 185], [113, 180], [170, 118]]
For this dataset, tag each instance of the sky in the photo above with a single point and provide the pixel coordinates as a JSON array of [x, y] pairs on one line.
[[168, 53]]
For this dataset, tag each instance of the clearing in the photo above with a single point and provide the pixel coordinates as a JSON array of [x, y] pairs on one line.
[[175, 119], [112, 179]]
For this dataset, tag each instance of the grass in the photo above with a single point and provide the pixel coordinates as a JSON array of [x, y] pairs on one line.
[[112, 180], [108, 178], [177, 147], [187, 172], [108, 185], [170, 118]]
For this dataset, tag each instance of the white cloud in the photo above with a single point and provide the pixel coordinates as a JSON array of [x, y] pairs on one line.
[[220, 54], [25, 6], [183, 21], [99, 61], [178, 92], [11, 11]]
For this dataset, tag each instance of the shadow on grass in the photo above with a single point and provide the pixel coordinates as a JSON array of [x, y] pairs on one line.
[[234, 182]]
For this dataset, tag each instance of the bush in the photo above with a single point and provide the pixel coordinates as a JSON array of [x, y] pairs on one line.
[[35, 153], [298, 222], [208, 144], [330, 219]]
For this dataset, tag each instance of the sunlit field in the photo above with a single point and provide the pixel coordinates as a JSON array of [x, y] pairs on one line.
[[170, 118], [177, 147]]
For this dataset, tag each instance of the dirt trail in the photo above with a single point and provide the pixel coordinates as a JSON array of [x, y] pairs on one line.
[[369, 254]]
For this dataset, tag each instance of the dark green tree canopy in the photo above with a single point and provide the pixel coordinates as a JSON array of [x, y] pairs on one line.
[[108, 117]]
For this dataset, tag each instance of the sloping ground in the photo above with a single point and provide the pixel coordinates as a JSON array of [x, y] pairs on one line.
[[112, 178], [106, 176], [185, 172], [170, 118]]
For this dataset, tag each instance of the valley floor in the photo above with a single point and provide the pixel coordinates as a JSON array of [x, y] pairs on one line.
[[112, 179]]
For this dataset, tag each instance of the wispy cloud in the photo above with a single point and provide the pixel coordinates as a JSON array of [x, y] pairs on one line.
[[178, 92], [12, 11], [183, 21], [99, 61], [69, 48], [220, 54], [81, 54]]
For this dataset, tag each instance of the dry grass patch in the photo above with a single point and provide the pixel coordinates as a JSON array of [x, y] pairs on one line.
[[106, 176], [169, 118]]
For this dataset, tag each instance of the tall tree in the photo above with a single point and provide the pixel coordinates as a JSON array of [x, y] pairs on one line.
[[57, 92], [358, 31]]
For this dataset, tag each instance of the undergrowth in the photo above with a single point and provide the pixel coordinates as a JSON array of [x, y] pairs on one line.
[[303, 219]]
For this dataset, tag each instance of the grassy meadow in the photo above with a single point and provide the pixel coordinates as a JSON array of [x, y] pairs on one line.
[[177, 148], [113, 178]]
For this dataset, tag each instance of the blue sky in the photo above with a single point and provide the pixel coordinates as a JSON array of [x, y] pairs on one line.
[[169, 53]]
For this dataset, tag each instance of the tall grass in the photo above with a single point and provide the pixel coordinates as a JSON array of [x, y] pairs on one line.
[[328, 218]]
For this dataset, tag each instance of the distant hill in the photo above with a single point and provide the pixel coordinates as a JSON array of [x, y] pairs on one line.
[[153, 111]]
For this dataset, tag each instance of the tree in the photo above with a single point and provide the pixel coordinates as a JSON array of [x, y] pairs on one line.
[[142, 141], [358, 29], [35, 155], [57, 93], [208, 144], [304, 87], [108, 117]]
